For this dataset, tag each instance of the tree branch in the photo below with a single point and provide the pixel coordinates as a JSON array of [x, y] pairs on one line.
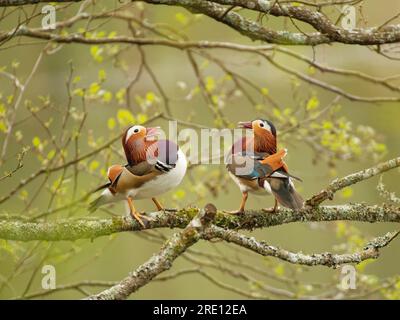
[[246, 27], [197, 224], [351, 179], [371, 250], [74, 229], [328, 31], [320, 22], [162, 261], [183, 45]]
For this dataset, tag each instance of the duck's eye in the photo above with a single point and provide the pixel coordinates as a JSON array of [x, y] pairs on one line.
[[261, 125], [136, 130]]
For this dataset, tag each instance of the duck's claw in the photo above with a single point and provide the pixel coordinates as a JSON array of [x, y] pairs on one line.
[[271, 210], [138, 217], [234, 212]]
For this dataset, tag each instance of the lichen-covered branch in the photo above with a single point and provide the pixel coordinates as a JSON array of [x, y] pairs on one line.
[[74, 229], [371, 250], [390, 196], [321, 23], [197, 225], [327, 31], [161, 261]]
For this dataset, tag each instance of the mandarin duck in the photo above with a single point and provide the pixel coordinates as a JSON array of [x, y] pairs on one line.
[[154, 167], [265, 172]]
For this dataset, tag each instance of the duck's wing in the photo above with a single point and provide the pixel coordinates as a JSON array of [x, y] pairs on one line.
[[248, 168], [255, 166], [127, 180], [162, 157], [141, 168]]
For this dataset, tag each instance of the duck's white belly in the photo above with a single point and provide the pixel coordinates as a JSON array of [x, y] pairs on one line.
[[163, 182], [246, 188]]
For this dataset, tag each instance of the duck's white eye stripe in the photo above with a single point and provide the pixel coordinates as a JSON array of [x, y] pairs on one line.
[[131, 131], [267, 126]]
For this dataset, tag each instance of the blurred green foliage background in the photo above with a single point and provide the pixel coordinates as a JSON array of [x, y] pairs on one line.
[[100, 75]]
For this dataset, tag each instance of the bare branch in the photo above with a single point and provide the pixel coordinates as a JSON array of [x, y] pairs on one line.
[[351, 179], [390, 196], [162, 261], [371, 250]]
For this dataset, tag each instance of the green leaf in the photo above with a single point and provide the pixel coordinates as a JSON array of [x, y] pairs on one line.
[[96, 53], [313, 103], [112, 34], [93, 165], [311, 70], [51, 154], [347, 192], [362, 265], [179, 194], [76, 79], [182, 18], [102, 75], [94, 88], [279, 270], [120, 95], [265, 91], [3, 126], [341, 228], [142, 118], [125, 117], [78, 92], [210, 84], [2, 109], [150, 97], [36, 142], [380, 148], [15, 64], [111, 123], [107, 96]]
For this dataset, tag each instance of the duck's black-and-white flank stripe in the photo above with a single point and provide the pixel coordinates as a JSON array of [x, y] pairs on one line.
[[163, 166]]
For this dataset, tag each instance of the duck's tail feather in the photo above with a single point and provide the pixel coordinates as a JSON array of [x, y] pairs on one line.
[[104, 186], [286, 194], [98, 202]]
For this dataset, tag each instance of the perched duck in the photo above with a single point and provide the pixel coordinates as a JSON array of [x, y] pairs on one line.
[[264, 171], [154, 167]]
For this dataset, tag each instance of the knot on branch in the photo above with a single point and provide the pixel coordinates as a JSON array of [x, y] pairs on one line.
[[320, 197], [204, 217], [329, 259], [382, 241]]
